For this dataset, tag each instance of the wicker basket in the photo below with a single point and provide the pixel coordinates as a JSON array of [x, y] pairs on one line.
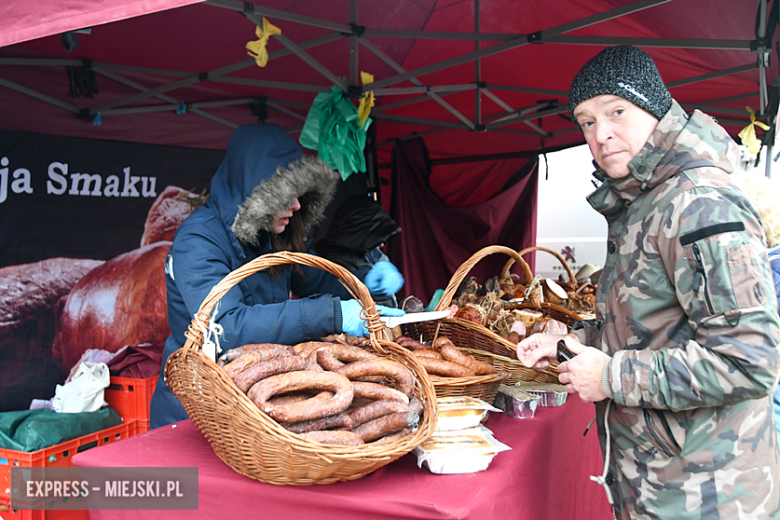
[[551, 310], [470, 336], [515, 371], [252, 443], [479, 387]]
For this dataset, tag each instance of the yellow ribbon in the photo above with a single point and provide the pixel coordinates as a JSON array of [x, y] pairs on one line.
[[748, 134], [257, 49], [368, 99]]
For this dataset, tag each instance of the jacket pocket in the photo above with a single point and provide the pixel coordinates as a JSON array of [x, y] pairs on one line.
[[667, 440], [746, 277], [725, 268]]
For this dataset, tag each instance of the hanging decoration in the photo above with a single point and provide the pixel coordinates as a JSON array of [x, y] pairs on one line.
[[367, 101], [748, 134], [334, 129], [257, 49]]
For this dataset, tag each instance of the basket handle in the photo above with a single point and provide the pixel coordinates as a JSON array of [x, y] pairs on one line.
[[464, 269], [357, 289], [511, 261]]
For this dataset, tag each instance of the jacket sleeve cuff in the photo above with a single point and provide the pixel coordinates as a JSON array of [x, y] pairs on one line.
[[605, 379], [338, 319]]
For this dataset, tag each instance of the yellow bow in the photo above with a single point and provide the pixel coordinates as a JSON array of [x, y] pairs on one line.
[[368, 99], [748, 134], [256, 49]]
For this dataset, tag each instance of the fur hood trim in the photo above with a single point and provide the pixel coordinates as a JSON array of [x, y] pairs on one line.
[[308, 179]]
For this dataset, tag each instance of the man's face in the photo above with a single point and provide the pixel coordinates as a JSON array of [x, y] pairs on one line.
[[615, 129]]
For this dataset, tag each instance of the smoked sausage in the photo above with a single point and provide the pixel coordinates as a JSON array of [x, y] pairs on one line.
[[427, 352], [343, 438], [375, 410], [314, 408], [253, 373], [331, 422], [451, 353], [268, 350], [441, 367], [376, 392], [382, 367], [386, 425]]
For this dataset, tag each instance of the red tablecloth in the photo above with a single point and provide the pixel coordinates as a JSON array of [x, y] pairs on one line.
[[544, 476]]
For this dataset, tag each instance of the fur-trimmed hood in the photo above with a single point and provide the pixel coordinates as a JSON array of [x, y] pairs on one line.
[[263, 171]]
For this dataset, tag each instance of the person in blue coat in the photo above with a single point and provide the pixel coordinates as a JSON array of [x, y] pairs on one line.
[[265, 197]]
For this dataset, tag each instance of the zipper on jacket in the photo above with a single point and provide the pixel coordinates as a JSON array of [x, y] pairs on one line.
[[701, 275], [655, 436]]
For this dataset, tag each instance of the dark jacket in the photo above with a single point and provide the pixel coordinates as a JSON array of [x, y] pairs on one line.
[[359, 227], [263, 171]]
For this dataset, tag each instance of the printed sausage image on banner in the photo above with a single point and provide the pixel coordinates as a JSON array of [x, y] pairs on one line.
[[85, 226]]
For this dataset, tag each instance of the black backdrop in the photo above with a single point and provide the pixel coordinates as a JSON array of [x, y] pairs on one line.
[[83, 221]]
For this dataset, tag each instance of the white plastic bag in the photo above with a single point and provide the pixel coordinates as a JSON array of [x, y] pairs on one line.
[[84, 392]]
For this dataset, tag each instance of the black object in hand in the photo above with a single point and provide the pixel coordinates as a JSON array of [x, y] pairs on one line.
[[564, 354]]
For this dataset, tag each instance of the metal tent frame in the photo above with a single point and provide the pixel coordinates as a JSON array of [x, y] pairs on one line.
[[504, 121]]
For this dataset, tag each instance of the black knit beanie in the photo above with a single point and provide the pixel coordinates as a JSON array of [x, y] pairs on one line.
[[622, 71]]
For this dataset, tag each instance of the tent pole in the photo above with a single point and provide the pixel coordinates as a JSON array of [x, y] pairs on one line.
[[674, 43], [544, 113], [761, 73], [241, 7], [392, 63], [38, 95], [726, 99], [712, 75], [477, 70], [497, 100], [353, 44], [211, 75], [521, 41], [302, 54], [402, 91]]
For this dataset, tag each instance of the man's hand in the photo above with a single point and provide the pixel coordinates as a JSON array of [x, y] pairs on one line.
[[581, 375], [537, 351]]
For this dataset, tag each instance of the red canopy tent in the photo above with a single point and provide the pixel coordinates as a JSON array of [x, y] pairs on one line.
[[484, 83]]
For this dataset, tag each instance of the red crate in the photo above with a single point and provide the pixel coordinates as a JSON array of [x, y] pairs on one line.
[[132, 398], [6, 513], [57, 456]]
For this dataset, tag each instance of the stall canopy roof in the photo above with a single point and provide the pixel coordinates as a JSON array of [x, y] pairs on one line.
[[475, 78]]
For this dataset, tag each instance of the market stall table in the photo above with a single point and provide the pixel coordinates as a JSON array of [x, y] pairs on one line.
[[544, 476]]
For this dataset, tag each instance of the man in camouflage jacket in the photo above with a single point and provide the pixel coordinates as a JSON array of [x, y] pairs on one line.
[[686, 329]]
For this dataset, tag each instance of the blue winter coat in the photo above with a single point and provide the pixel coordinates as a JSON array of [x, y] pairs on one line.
[[263, 171]]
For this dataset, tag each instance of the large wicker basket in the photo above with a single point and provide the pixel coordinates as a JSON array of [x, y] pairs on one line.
[[252, 443], [468, 335], [551, 310]]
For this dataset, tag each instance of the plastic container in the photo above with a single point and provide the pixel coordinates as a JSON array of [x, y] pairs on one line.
[[57, 456], [132, 398], [6, 513]]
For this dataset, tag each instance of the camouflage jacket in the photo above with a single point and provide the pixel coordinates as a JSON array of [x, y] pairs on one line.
[[686, 310]]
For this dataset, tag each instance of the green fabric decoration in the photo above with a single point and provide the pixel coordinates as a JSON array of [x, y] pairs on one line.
[[333, 129], [33, 430], [435, 300]]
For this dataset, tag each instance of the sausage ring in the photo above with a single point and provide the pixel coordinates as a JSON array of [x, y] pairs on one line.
[[318, 406]]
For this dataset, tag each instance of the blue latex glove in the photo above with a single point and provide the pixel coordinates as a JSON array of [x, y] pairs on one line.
[[384, 279], [352, 318]]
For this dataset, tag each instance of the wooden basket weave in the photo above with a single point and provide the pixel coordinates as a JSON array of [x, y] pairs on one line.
[[468, 336], [248, 440], [515, 371]]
